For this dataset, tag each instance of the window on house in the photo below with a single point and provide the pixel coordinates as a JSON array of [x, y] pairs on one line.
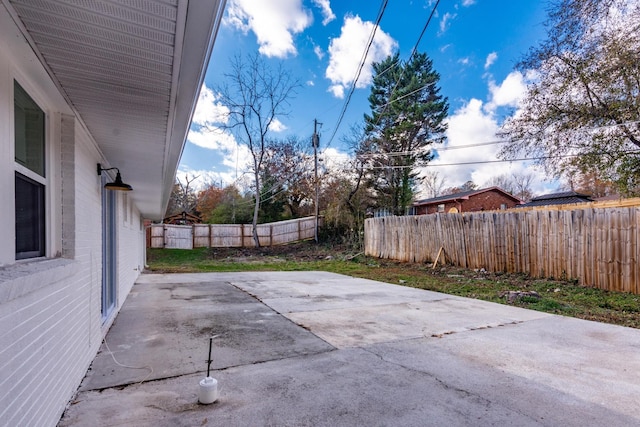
[[30, 182], [441, 208], [503, 206]]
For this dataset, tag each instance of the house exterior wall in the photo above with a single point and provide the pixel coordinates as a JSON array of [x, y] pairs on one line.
[[51, 325], [489, 200]]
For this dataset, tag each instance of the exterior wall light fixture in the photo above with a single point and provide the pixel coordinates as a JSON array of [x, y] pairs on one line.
[[117, 184]]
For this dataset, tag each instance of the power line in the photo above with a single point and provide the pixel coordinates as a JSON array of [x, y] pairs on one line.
[[435, 149], [479, 162], [361, 65], [481, 144], [413, 52]]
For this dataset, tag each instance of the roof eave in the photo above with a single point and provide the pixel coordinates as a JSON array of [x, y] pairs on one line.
[[189, 73]]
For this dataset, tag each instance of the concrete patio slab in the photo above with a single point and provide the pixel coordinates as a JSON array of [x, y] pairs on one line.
[[165, 328], [387, 323], [352, 387], [597, 364], [333, 294], [320, 349]]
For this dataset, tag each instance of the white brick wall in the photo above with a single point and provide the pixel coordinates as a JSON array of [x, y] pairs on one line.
[[50, 320]]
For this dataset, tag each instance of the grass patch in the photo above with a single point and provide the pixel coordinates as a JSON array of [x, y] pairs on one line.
[[558, 297]]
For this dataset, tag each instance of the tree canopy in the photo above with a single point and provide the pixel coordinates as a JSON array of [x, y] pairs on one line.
[[582, 110], [407, 115]]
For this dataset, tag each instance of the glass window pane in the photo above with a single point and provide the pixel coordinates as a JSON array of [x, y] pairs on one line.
[[29, 131], [29, 218]]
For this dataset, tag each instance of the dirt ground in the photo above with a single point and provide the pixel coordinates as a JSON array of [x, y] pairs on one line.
[[309, 251], [303, 251]]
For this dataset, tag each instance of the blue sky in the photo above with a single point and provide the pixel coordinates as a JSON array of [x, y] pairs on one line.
[[474, 45]]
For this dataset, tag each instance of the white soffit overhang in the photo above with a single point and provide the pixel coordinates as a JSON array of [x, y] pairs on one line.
[[132, 71]]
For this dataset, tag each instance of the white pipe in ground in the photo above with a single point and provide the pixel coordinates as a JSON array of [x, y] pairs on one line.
[[208, 390]]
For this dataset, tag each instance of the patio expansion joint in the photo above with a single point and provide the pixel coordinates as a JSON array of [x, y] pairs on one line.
[[285, 316], [126, 386], [475, 328]]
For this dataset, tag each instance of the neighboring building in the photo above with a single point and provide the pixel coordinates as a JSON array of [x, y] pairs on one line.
[[486, 199], [84, 86], [564, 198]]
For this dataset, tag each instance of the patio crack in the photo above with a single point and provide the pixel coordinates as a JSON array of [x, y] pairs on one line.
[[464, 393]]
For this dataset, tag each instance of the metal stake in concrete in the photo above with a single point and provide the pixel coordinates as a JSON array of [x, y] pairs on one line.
[[209, 360], [208, 386]]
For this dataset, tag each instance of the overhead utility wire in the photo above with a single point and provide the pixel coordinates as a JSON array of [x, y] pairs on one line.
[[480, 144], [362, 62], [480, 162], [408, 153], [413, 52]]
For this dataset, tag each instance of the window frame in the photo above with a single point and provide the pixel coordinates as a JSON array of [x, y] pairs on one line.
[[45, 222], [38, 228]]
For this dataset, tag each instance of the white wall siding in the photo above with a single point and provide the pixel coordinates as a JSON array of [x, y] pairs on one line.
[[45, 351], [50, 320]]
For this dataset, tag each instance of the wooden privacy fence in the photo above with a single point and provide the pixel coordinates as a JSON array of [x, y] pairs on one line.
[[599, 247], [230, 235]]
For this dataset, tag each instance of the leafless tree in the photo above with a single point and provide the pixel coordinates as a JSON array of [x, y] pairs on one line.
[[517, 184], [183, 196], [522, 185], [255, 95], [433, 183]]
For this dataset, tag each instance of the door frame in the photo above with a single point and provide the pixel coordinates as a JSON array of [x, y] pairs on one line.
[[109, 259]]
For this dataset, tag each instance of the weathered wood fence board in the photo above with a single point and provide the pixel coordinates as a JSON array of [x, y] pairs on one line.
[[231, 235], [598, 246], [178, 236]]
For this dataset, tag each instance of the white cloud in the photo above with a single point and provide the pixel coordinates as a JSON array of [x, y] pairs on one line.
[[209, 111], [334, 160], [445, 22], [274, 23], [476, 123], [212, 138], [234, 159], [469, 125], [491, 58], [337, 90], [202, 177], [467, 3], [206, 132], [464, 61], [277, 126], [327, 13], [318, 51], [509, 93], [345, 53]]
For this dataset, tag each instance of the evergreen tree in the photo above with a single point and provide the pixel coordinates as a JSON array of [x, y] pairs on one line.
[[407, 116]]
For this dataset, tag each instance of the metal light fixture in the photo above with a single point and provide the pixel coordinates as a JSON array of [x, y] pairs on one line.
[[117, 184]]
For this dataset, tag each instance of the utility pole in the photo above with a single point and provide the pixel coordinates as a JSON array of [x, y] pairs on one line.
[[315, 141]]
